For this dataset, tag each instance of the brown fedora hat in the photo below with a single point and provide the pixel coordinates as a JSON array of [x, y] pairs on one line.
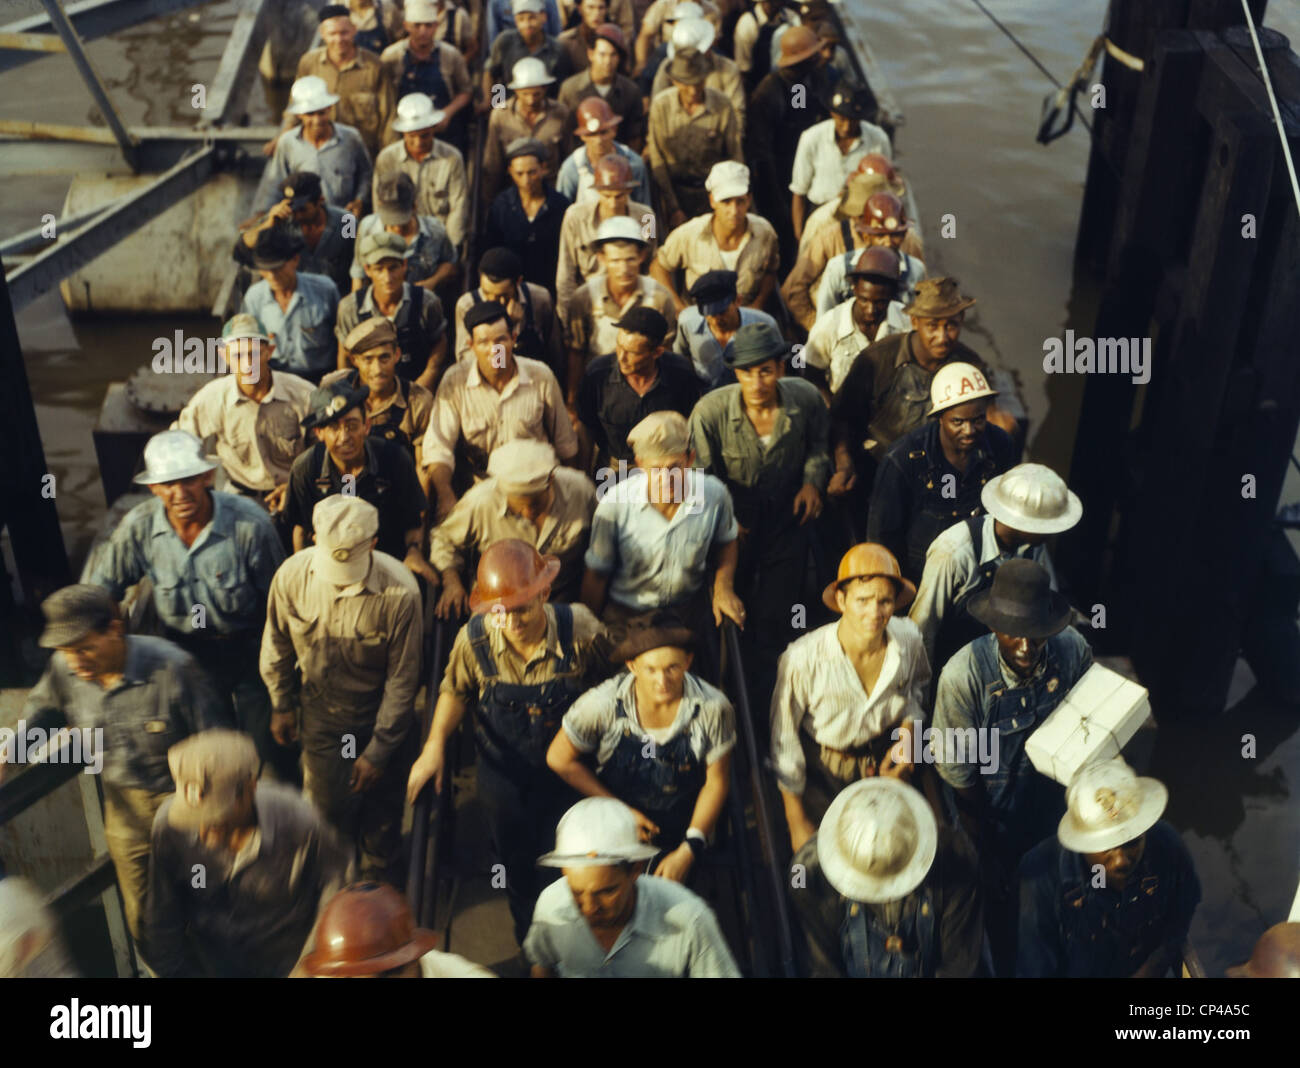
[[937, 298], [797, 44]]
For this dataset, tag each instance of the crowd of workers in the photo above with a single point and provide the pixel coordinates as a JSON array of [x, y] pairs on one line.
[[699, 355]]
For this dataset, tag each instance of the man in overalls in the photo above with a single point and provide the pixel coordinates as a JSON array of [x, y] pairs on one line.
[[660, 740], [532, 312], [1025, 506], [1006, 683], [424, 64], [341, 660], [521, 662], [1112, 893], [883, 892]]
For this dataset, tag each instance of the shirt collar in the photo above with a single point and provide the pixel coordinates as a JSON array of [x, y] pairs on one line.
[[368, 301], [474, 379], [333, 138], [327, 461], [220, 525]]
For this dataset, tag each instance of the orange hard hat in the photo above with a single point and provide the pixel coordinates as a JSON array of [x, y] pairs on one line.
[[366, 928], [875, 163], [865, 561], [594, 115], [614, 172], [884, 214], [511, 573]]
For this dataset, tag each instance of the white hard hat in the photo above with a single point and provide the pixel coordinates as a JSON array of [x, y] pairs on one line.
[[619, 228], [697, 33], [1032, 498], [956, 383], [877, 840], [310, 94], [415, 111], [171, 456], [595, 832], [1108, 805], [529, 73]]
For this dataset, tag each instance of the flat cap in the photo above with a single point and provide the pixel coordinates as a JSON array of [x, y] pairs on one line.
[[370, 334], [522, 466], [214, 771], [714, 291], [333, 402], [244, 325], [527, 146], [345, 528], [73, 612], [647, 321], [659, 435], [755, 343], [379, 245]]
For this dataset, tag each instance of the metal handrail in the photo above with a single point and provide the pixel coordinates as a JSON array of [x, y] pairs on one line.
[[421, 875], [745, 726]]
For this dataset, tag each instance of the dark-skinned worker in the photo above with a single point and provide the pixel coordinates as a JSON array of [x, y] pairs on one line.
[[520, 663], [1023, 508], [604, 78], [210, 556], [537, 332], [692, 127], [838, 338], [367, 930], [846, 689], [766, 437], [398, 409], [269, 862], [887, 893], [883, 225], [489, 398], [1276, 955], [415, 312], [436, 168], [528, 495], [658, 738], [606, 920], [730, 237], [578, 261], [341, 658], [143, 695], [347, 458], [421, 63], [1111, 895], [1000, 687], [933, 476], [706, 328]]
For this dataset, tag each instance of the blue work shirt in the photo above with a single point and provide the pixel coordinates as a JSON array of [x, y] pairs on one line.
[[501, 16], [696, 342], [303, 334], [342, 163], [572, 171], [227, 570], [1070, 928]]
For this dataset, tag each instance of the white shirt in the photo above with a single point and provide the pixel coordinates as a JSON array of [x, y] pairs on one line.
[[437, 965], [821, 169], [952, 571], [834, 287], [835, 341], [819, 693]]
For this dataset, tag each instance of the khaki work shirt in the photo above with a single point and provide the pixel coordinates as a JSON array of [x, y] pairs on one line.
[[543, 318], [441, 187], [682, 148], [577, 259], [591, 647], [505, 124], [693, 247], [256, 441], [367, 97], [482, 518], [355, 648], [724, 76], [590, 327]]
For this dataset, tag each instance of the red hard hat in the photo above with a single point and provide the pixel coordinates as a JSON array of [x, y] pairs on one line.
[[511, 573], [614, 172], [595, 115], [365, 929], [876, 262], [875, 163], [884, 214], [612, 33]]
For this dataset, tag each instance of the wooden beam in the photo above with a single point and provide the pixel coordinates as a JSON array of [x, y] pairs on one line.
[[31, 42]]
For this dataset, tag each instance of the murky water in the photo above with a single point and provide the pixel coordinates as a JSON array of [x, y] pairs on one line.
[[972, 103]]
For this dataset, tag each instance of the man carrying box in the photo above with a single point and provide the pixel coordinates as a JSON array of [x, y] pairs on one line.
[[1007, 682]]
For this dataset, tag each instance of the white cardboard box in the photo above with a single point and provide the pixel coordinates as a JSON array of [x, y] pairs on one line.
[[1094, 722]]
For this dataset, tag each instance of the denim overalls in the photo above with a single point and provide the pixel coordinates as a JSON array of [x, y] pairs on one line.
[[664, 786], [375, 40], [874, 950]]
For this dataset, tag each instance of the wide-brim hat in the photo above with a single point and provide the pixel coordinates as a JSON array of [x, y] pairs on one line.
[[172, 455], [416, 111], [935, 300], [1008, 498], [422, 941], [309, 97], [1021, 602], [840, 871], [689, 67], [1080, 837], [797, 44], [479, 600], [868, 561], [533, 75], [597, 832], [655, 631]]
